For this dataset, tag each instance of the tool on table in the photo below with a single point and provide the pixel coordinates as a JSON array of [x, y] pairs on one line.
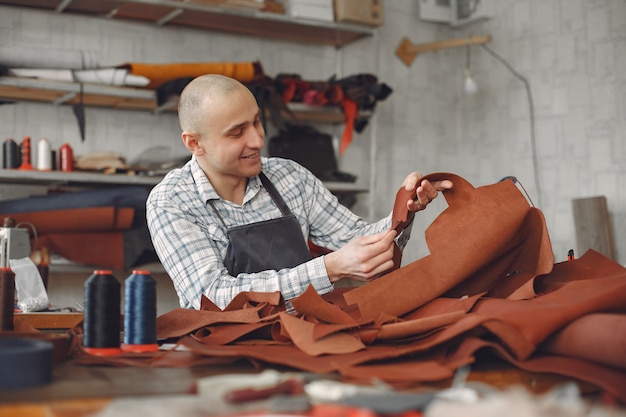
[[290, 386]]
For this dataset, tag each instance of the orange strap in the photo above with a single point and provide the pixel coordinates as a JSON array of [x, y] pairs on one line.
[[350, 108]]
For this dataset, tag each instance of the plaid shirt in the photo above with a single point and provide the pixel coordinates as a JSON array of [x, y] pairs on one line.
[[191, 241]]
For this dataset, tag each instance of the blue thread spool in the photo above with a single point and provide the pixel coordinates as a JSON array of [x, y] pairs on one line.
[[101, 324], [140, 313]]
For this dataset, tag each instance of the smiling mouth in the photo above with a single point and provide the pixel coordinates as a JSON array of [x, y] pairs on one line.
[[253, 156]]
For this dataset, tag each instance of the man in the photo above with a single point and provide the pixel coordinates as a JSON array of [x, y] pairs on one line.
[[231, 221]]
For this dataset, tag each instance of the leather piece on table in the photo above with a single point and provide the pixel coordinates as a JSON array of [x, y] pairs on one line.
[[409, 328], [487, 235], [166, 358], [444, 305], [613, 381], [598, 338], [310, 303], [236, 332], [161, 73], [300, 332], [272, 302], [85, 219], [527, 323], [182, 321], [429, 368]]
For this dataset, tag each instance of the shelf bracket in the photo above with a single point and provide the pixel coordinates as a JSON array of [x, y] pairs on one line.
[[171, 15], [64, 98], [62, 6], [407, 51]]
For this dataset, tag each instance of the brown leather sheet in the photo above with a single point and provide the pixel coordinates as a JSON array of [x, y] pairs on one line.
[[84, 219], [489, 284], [104, 249]]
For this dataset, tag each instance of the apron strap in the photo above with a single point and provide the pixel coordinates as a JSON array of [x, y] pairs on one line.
[[273, 192], [218, 214], [278, 200]]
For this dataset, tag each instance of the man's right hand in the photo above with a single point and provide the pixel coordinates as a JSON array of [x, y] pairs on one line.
[[362, 259]]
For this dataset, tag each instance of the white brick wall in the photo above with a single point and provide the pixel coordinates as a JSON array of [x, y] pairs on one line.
[[573, 52]]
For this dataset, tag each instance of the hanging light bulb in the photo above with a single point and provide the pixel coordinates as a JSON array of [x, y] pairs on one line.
[[469, 84]]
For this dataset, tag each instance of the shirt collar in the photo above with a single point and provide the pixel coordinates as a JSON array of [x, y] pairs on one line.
[[206, 190]]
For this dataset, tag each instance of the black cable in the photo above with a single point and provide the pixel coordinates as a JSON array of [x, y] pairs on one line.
[[531, 108]]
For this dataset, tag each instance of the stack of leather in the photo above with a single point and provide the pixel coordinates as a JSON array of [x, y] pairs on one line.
[[489, 288]]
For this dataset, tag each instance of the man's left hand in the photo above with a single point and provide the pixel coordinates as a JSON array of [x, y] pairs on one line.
[[425, 191]]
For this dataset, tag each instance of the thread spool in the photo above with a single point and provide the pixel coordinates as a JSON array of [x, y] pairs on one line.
[[140, 313], [7, 298], [44, 155], [11, 154], [26, 153], [101, 324], [66, 158]]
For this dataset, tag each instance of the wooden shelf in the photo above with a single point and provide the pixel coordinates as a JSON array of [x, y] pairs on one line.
[[127, 98], [63, 92], [15, 176], [240, 21], [94, 179]]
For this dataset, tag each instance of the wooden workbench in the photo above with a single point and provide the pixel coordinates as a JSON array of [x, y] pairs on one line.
[[78, 390]]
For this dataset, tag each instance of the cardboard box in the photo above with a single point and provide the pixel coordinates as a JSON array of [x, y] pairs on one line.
[[364, 12], [311, 9]]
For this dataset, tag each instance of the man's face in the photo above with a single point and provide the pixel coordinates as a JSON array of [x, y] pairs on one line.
[[232, 138]]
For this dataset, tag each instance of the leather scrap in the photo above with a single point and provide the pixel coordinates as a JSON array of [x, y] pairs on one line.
[[474, 243]]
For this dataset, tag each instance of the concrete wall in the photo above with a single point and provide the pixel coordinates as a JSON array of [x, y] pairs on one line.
[[572, 52]]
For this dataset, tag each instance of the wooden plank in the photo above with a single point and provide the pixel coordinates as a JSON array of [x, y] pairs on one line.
[[8, 92], [593, 226], [50, 321], [65, 408]]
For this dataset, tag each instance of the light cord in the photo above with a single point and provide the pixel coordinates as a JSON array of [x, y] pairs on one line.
[[531, 108]]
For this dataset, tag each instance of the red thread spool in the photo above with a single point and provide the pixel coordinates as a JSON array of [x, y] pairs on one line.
[[66, 158], [26, 165]]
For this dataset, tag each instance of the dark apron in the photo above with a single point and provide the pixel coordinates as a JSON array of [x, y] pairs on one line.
[[267, 245]]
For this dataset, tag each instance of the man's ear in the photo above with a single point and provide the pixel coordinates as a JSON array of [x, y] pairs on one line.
[[190, 139]]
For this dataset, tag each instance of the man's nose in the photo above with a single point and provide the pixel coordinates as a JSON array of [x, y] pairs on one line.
[[256, 139]]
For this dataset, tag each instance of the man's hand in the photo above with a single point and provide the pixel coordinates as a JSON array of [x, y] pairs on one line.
[[425, 191], [363, 258]]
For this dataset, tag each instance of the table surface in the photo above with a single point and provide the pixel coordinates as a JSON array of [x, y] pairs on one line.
[[80, 390]]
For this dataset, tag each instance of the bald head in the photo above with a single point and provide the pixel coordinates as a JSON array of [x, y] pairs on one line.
[[195, 100]]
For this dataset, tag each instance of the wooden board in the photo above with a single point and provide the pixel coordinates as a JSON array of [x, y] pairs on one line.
[[593, 226]]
